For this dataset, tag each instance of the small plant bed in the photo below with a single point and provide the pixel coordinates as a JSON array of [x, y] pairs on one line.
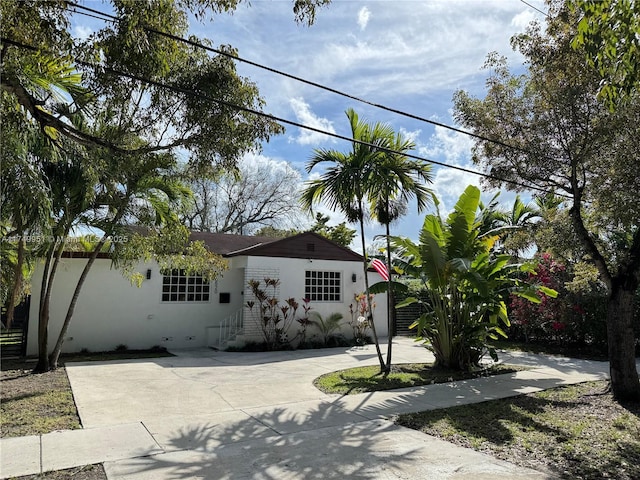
[[86, 472], [118, 354], [573, 432], [334, 342], [369, 379]]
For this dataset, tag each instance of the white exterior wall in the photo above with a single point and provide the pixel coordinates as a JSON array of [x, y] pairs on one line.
[[291, 272], [111, 311]]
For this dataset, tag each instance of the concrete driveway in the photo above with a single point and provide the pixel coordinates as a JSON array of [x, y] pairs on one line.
[[220, 415], [204, 382]]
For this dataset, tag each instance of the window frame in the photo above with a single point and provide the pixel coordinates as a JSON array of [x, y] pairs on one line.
[[331, 280], [177, 282]]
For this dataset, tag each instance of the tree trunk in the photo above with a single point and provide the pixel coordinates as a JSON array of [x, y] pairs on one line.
[[43, 311], [55, 354], [366, 292], [625, 384], [390, 323]]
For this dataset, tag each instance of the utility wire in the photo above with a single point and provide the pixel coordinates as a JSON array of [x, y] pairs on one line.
[[546, 14], [202, 95], [112, 18]]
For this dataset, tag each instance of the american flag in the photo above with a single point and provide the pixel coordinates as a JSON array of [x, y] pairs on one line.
[[381, 268]]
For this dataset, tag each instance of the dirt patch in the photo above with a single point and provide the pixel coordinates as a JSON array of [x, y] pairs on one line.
[[87, 472]]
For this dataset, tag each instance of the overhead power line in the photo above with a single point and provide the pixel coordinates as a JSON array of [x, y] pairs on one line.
[[113, 18], [546, 14], [274, 118]]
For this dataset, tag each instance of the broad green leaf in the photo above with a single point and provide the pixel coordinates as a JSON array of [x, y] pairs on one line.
[[549, 292], [407, 301]]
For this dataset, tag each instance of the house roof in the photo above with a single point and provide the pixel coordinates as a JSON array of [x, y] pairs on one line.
[[304, 245], [225, 243]]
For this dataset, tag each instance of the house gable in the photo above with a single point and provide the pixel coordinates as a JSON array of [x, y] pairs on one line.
[[307, 245]]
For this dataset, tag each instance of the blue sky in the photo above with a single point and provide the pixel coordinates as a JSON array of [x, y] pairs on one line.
[[408, 55]]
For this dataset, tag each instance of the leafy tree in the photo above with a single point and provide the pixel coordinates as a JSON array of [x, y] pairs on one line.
[[257, 194], [609, 35], [347, 182], [567, 141], [468, 286], [24, 211], [340, 234], [275, 232], [126, 90], [395, 180], [127, 97]]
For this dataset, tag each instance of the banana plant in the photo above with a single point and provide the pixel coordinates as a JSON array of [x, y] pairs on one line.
[[467, 285]]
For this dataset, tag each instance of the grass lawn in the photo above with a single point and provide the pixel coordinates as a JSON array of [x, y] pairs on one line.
[[573, 432], [369, 379]]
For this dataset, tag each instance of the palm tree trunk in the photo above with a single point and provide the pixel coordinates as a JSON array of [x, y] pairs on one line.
[[366, 292], [48, 274], [55, 354], [390, 309]]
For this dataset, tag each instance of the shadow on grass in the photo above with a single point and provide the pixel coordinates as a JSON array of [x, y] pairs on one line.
[[571, 437], [370, 379], [487, 421]]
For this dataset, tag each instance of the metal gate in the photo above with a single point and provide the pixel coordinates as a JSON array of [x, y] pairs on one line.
[[13, 341]]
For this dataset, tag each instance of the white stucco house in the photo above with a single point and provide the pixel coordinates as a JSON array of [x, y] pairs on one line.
[[177, 311]]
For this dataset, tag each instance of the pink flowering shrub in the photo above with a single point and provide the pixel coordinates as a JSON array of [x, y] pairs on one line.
[[570, 319]]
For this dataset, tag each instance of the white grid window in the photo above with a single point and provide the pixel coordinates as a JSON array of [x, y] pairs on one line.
[[323, 286], [177, 286]]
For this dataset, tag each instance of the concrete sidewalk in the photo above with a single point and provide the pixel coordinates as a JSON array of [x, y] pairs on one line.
[[283, 429]]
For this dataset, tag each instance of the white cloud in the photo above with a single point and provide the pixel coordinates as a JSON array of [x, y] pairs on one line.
[[304, 115], [256, 161], [452, 147], [412, 136], [363, 17], [523, 19], [82, 32]]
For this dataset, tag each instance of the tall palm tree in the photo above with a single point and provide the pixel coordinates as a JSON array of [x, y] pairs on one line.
[[517, 237], [72, 188], [138, 186], [346, 184], [395, 180]]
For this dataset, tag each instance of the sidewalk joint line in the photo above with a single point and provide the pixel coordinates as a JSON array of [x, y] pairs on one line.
[[262, 423], [41, 463], [154, 438]]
